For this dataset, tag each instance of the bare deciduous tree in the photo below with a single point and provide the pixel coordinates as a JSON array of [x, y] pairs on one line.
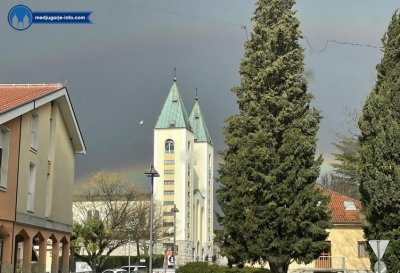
[[107, 211]]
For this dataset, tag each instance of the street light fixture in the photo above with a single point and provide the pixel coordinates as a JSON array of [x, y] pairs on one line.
[[174, 210], [151, 173]]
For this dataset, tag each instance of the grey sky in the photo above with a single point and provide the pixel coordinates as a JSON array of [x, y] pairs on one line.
[[119, 69]]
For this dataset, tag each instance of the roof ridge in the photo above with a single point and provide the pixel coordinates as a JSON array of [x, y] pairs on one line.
[[341, 194], [14, 95], [17, 98], [30, 84]]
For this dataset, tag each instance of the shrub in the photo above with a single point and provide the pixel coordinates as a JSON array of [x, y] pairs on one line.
[[204, 267], [200, 267], [118, 261], [246, 270]]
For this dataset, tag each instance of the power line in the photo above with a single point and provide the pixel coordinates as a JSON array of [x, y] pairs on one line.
[[327, 42], [169, 12], [244, 27]]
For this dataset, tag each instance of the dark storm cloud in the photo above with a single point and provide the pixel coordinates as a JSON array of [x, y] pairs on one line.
[[119, 69]]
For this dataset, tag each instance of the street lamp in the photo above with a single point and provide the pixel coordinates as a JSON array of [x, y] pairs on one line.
[[129, 226], [129, 253], [151, 173], [174, 210]]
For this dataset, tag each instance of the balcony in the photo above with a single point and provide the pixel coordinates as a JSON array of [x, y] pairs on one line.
[[329, 263], [323, 264]]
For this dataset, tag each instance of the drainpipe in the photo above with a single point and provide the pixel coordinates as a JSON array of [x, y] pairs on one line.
[[13, 258], [344, 264]]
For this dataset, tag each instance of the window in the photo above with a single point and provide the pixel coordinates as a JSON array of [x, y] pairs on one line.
[[209, 166], [362, 249], [168, 192], [93, 214], [169, 146], [31, 187], [34, 131], [169, 171], [4, 144], [169, 162], [166, 203], [349, 205], [169, 182]]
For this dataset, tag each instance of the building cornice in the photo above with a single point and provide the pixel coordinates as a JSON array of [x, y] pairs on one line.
[[35, 221]]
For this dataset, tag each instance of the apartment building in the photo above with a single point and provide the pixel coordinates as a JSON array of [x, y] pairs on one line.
[[39, 138]]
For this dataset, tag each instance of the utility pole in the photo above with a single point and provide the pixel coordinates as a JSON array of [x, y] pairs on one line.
[[174, 210]]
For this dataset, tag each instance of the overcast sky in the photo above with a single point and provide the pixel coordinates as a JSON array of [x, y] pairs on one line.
[[119, 69]]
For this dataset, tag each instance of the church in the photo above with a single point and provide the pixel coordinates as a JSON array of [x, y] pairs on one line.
[[183, 156]]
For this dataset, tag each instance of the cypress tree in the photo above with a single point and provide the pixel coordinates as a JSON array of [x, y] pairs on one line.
[[379, 170], [272, 210]]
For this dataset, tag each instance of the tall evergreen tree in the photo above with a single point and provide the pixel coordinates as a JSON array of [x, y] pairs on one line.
[[379, 174], [272, 210]]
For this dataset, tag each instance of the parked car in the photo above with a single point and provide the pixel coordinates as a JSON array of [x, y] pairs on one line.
[[135, 268], [117, 270]]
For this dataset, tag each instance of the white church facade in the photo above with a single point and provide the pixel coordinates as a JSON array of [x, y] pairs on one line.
[[183, 156]]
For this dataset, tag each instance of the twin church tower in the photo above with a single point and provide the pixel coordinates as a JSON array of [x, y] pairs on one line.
[[183, 156]]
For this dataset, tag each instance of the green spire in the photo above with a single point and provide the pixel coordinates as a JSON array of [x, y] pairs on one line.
[[173, 113], [199, 127]]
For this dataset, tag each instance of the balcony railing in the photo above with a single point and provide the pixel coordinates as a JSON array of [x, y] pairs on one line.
[[330, 263], [323, 264]]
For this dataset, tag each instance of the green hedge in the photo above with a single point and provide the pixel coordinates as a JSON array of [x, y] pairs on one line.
[[204, 267], [200, 267], [118, 261]]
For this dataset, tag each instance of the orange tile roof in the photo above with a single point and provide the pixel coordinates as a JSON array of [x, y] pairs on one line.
[[14, 95], [341, 215]]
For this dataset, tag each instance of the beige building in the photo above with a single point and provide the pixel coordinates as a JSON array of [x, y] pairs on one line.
[[347, 251], [38, 141], [183, 156], [105, 209]]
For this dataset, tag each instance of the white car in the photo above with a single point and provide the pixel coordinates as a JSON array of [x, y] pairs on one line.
[[135, 268], [118, 270]]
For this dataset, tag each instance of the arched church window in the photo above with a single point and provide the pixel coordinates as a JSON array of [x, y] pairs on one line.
[[169, 146]]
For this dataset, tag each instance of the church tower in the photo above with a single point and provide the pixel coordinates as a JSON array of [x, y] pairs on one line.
[[183, 156], [203, 208]]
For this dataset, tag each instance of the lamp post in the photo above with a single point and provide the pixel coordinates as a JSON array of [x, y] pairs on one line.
[[129, 253], [151, 173], [174, 210], [130, 226]]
